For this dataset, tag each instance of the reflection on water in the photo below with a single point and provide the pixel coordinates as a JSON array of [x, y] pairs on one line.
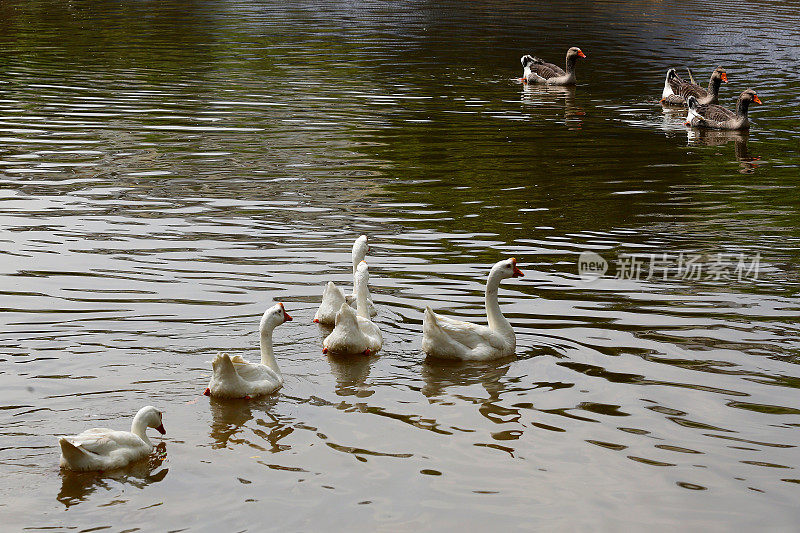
[[351, 373], [167, 174], [721, 138], [228, 419], [229, 425], [439, 376], [554, 96], [77, 487]]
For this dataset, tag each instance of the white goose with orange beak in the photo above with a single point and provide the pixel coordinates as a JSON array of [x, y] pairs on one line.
[[333, 297], [233, 377], [447, 338]]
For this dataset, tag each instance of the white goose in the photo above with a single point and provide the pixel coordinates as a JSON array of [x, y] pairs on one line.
[[333, 297], [106, 449], [354, 332], [234, 377], [447, 338]]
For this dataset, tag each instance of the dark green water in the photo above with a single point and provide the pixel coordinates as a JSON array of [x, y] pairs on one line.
[[169, 169]]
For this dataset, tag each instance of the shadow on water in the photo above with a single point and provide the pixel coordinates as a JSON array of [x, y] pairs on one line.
[[76, 487]]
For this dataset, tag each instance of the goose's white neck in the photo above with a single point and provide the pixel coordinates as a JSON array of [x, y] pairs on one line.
[[139, 427], [359, 253], [267, 355], [497, 321], [362, 297]]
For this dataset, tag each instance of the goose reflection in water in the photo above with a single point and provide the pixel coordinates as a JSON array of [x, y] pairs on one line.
[[441, 374], [549, 95], [351, 373], [77, 486], [229, 423], [709, 137]]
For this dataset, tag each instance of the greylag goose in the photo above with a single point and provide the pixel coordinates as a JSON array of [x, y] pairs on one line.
[[720, 118], [537, 71], [677, 90]]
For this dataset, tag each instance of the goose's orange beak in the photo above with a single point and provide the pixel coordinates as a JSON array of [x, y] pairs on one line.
[[517, 272], [756, 99], [581, 54], [724, 77], [287, 316], [161, 429]]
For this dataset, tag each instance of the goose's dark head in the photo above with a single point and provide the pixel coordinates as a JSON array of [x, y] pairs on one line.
[[691, 102], [575, 51], [750, 95]]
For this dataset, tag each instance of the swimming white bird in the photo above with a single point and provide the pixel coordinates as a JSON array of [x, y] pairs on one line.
[[354, 332], [234, 377], [333, 297], [447, 338], [106, 449]]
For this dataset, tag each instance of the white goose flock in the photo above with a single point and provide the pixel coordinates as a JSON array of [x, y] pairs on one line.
[[354, 333]]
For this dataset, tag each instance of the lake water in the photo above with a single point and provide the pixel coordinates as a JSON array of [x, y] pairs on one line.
[[170, 169]]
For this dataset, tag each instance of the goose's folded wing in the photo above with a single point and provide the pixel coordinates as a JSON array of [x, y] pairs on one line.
[[256, 372], [674, 99], [677, 83], [715, 113], [692, 90], [546, 70], [103, 442], [370, 329], [468, 334]]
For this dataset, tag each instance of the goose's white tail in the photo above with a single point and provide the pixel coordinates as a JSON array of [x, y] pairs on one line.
[[223, 366], [429, 323], [435, 340], [667, 92], [74, 455]]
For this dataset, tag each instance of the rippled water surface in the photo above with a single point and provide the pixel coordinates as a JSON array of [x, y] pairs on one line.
[[170, 169]]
